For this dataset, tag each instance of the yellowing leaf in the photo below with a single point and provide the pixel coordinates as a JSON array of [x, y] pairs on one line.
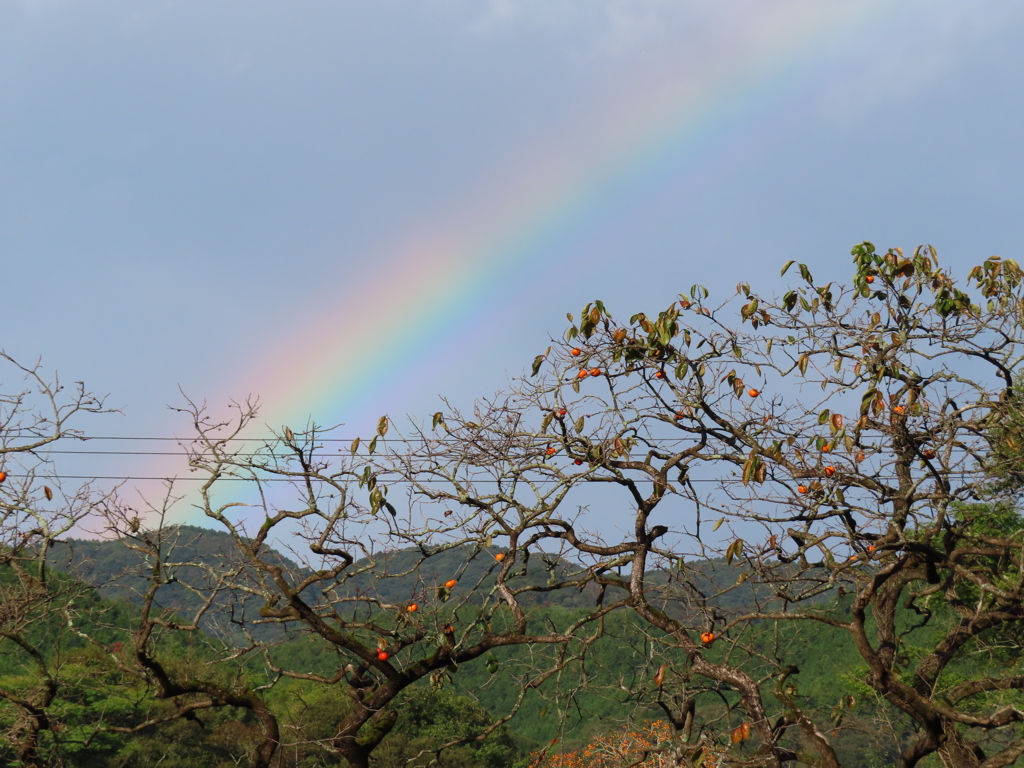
[[735, 550]]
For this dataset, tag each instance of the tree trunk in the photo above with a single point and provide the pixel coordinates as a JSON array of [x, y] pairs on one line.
[[957, 751]]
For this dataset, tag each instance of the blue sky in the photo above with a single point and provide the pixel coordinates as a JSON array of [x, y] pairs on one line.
[[184, 184]]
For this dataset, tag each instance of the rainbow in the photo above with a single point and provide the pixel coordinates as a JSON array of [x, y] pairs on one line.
[[462, 272]]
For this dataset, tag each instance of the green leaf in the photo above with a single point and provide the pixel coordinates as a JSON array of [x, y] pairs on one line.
[[355, 446], [865, 402], [579, 425], [750, 468], [382, 426], [537, 362], [438, 418], [786, 266], [373, 445]]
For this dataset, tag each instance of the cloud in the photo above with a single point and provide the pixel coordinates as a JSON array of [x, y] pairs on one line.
[[917, 44], [591, 26]]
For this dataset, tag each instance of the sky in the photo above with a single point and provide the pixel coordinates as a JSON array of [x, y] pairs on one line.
[[354, 208]]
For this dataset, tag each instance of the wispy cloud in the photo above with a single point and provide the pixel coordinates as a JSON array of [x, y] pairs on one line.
[[920, 43]]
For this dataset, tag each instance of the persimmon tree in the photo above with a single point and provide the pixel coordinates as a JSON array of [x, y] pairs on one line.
[[376, 591], [850, 452]]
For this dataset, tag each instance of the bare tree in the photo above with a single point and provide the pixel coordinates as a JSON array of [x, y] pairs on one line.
[[36, 509], [389, 590]]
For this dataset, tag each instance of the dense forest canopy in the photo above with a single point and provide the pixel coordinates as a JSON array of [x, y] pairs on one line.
[[817, 556]]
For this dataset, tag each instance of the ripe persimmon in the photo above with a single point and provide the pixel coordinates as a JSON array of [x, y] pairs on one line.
[[451, 583], [829, 471], [869, 279], [382, 655], [595, 371], [659, 375], [576, 352], [578, 462], [660, 677], [3, 476], [500, 556], [826, 447], [801, 489], [929, 454], [898, 408], [859, 457], [753, 392], [583, 373], [449, 630], [742, 733], [562, 411], [707, 638], [412, 608], [552, 451], [871, 547]]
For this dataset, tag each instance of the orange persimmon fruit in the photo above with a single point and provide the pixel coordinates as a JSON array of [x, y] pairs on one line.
[[753, 392], [829, 471], [451, 583], [595, 371], [660, 677], [576, 352], [382, 655], [412, 608], [801, 489], [500, 556], [707, 638]]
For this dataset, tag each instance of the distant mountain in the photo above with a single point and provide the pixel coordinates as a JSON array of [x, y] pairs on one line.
[[119, 571]]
